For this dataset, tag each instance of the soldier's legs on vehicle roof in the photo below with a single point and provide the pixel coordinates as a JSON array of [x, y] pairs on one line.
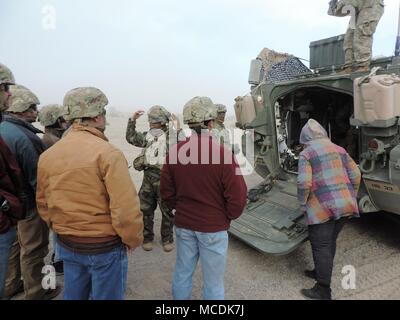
[[6, 241], [363, 39], [213, 249], [348, 48], [33, 236], [187, 256], [148, 203]]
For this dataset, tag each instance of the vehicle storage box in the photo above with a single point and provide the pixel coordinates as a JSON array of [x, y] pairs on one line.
[[326, 53]]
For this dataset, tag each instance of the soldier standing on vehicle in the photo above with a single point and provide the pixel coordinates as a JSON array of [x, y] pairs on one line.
[[206, 195], [86, 195], [359, 37], [155, 145], [328, 184]]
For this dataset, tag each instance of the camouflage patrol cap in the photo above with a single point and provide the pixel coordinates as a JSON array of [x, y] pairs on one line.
[[158, 114], [86, 102], [199, 110], [49, 114], [220, 108], [22, 99], [6, 76]]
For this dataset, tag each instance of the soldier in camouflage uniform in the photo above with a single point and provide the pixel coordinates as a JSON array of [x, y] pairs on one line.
[[155, 146], [358, 42], [51, 117], [219, 130]]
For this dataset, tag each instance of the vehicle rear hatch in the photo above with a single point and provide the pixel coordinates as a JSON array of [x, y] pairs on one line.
[[274, 223]]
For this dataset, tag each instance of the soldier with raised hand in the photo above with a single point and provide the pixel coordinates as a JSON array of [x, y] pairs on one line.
[[155, 144], [86, 195], [359, 38], [51, 117]]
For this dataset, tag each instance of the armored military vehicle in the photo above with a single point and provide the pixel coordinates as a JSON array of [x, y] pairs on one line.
[[360, 112]]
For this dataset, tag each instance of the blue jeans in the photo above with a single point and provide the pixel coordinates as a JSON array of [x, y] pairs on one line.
[[6, 241], [212, 249], [56, 249], [97, 277]]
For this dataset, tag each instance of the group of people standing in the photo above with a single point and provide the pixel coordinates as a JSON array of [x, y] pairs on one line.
[[74, 182]]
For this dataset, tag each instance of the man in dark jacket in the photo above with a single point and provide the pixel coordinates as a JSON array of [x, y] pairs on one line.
[[205, 203], [11, 208], [27, 255]]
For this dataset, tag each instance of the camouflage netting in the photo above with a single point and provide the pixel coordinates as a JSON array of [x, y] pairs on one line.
[[287, 70], [271, 57], [281, 66]]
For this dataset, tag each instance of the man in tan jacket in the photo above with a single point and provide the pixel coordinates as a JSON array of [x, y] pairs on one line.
[[87, 197]]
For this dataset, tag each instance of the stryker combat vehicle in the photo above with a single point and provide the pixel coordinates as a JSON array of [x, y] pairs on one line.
[[360, 112]]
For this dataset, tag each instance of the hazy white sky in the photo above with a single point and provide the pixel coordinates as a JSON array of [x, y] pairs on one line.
[[142, 53]]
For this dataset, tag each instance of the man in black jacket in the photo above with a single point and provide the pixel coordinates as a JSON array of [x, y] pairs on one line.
[[11, 179], [28, 253]]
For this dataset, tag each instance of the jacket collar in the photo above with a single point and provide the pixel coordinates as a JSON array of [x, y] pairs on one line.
[[19, 122], [94, 131], [54, 132]]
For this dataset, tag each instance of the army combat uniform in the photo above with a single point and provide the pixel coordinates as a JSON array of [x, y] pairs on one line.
[[222, 134], [219, 131], [150, 161], [48, 117], [358, 42]]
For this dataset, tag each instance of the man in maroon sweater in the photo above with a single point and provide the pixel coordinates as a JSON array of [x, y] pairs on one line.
[[203, 183]]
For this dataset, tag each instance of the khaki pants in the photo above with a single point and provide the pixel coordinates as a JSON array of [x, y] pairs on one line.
[[27, 257]]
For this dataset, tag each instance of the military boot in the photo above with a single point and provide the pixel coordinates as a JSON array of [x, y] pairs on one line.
[[346, 70], [361, 69], [318, 292], [168, 246], [148, 246]]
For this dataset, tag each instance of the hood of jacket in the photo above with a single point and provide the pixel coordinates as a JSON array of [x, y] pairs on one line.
[[312, 131]]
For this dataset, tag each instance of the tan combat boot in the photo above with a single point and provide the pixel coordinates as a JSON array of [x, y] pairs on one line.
[[346, 70], [148, 246], [168, 246], [361, 69]]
